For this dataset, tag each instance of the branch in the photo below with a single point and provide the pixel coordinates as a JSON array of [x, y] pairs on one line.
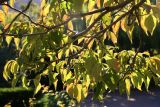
[[121, 17], [5, 30], [22, 12], [96, 35], [106, 9], [109, 9]]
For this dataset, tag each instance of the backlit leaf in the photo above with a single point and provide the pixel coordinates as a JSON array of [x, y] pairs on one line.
[[137, 80], [17, 42], [128, 86], [78, 91], [11, 2], [113, 37], [9, 39], [2, 17], [151, 23], [5, 8]]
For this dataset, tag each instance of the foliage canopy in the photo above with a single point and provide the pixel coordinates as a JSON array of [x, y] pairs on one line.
[[66, 42]]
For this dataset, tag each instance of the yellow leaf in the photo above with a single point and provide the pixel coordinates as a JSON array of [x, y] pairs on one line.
[[127, 27], [124, 25], [2, 17], [78, 91], [11, 2], [65, 17], [137, 80], [147, 82], [116, 27], [70, 89], [38, 87], [99, 3], [7, 69], [5, 8], [37, 84], [91, 5], [113, 37], [70, 25], [17, 41], [46, 10], [90, 44], [9, 39], [84, 92], [128, 86], [43, 3], [143, 18], [55, 83]]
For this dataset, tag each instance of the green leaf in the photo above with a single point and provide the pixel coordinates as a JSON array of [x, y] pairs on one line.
[[93, 68], [77, 5], [98, 90], [156, 12], [37, 84], [24, 81], [150, 23], [56, 37], [111, 80], [121, 87], [14, 81], [107, 18], [59, 66], [113, 64]]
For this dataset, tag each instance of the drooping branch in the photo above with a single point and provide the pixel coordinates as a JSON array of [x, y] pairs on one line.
[[103, 10], [96, 35]]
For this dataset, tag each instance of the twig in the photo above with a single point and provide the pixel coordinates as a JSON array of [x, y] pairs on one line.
[[5, 30], [22, 12]]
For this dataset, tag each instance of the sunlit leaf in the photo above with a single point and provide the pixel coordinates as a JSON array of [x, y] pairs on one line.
[[11, 2], [78, 92], [37, 84], [2, 17], [17, 42], [128, 86], [5, 8], [113, 37], [137, 80], [150, 23], [9, 39]]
